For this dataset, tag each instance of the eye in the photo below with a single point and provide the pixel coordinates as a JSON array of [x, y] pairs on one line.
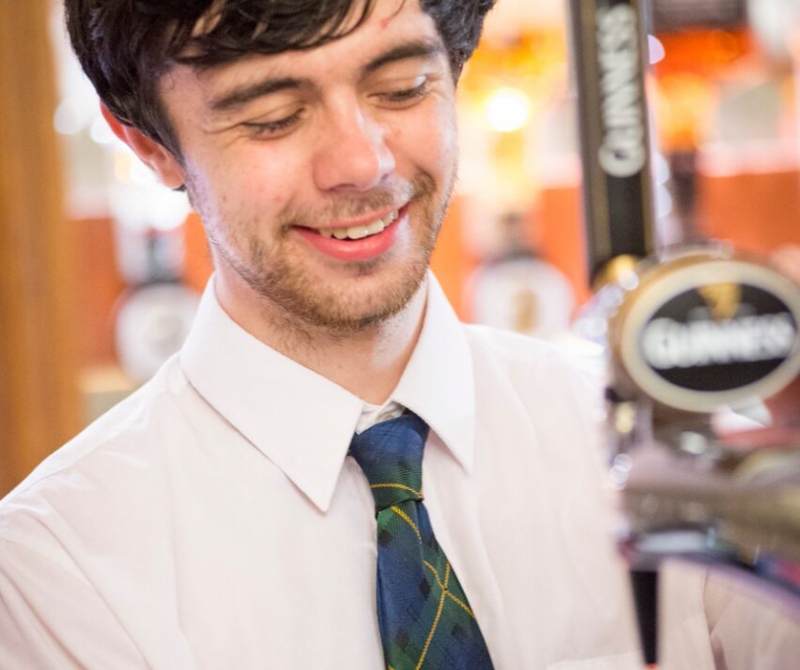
[[272, 129], [405, 97]]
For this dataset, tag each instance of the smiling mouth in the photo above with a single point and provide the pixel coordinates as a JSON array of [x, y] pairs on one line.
[[362, 231]]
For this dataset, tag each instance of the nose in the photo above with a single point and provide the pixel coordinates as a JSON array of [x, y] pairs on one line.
[[353, 154]]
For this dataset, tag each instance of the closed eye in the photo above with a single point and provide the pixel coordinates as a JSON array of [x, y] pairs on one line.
[[406, 96], [272, 129]]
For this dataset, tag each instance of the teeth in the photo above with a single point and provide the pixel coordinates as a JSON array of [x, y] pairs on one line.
[[359, 232], [374, 227]]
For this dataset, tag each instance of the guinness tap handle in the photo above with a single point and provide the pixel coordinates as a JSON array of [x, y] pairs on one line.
[[608, 58]]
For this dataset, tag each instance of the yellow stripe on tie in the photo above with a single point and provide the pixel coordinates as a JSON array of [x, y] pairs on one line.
[[435, 574], [461, 604], [448, 593], [432, 631], [406, 518], [396, 486]]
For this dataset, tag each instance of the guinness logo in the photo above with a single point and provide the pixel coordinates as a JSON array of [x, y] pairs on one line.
[[711, 332], [623, 152]]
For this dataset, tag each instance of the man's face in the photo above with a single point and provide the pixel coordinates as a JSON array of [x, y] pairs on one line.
[[284, 155]]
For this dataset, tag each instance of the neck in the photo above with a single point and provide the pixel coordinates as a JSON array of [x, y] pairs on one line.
[[367, 363]]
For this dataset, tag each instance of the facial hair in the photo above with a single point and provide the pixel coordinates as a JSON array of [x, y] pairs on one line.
[[287, 288]]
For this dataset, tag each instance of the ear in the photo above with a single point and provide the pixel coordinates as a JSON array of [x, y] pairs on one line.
[[159, 159]]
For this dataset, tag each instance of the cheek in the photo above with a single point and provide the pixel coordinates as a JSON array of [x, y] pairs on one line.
[[263, 182], [431, 143]]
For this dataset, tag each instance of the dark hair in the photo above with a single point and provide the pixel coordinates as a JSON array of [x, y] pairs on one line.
[[125, 46]]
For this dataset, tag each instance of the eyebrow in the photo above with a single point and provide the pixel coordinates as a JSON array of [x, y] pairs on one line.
[[241, 95], [416, 49]]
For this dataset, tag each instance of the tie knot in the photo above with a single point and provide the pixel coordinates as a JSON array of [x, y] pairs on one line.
[[390, 454]]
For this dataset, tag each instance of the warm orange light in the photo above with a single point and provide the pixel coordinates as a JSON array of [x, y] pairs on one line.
[[507, 110]]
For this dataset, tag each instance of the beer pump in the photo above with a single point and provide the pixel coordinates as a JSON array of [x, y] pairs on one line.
[[696, 334]]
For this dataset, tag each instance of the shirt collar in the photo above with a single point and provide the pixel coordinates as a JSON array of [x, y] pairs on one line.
[[438, 383], [302, 421]]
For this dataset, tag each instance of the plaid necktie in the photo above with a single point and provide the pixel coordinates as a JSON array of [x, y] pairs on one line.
[[425, 620]]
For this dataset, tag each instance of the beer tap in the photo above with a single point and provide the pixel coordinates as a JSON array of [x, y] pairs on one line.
[[695, 334]]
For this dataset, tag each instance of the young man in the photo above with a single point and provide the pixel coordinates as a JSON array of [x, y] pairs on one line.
[[215, 520]]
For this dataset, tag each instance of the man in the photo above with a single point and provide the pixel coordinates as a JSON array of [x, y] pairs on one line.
[[214, 520]]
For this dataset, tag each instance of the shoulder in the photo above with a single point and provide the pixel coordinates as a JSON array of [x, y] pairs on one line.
[[105, 464], [530, 362], [549, 393]]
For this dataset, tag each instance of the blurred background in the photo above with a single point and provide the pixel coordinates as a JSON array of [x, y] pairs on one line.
[[100, 267]]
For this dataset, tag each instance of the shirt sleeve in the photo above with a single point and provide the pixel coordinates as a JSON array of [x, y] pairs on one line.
[[722, 618], [52, 618]]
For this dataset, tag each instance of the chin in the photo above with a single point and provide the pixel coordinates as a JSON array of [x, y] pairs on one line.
[[369, 306]]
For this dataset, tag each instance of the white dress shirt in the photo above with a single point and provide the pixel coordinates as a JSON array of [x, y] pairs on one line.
[[213, 520], [725, 618]]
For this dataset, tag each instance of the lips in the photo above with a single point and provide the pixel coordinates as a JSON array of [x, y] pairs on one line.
[[357, 243], [360, 231]]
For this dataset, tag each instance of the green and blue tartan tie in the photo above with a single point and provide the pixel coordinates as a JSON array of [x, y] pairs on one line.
[[425, 620]]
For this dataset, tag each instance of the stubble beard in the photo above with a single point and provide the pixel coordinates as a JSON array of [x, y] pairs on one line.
[[288, 291]]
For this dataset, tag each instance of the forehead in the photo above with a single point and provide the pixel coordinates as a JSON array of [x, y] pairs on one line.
[[214, 97], [389, 22], [195, 96]]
